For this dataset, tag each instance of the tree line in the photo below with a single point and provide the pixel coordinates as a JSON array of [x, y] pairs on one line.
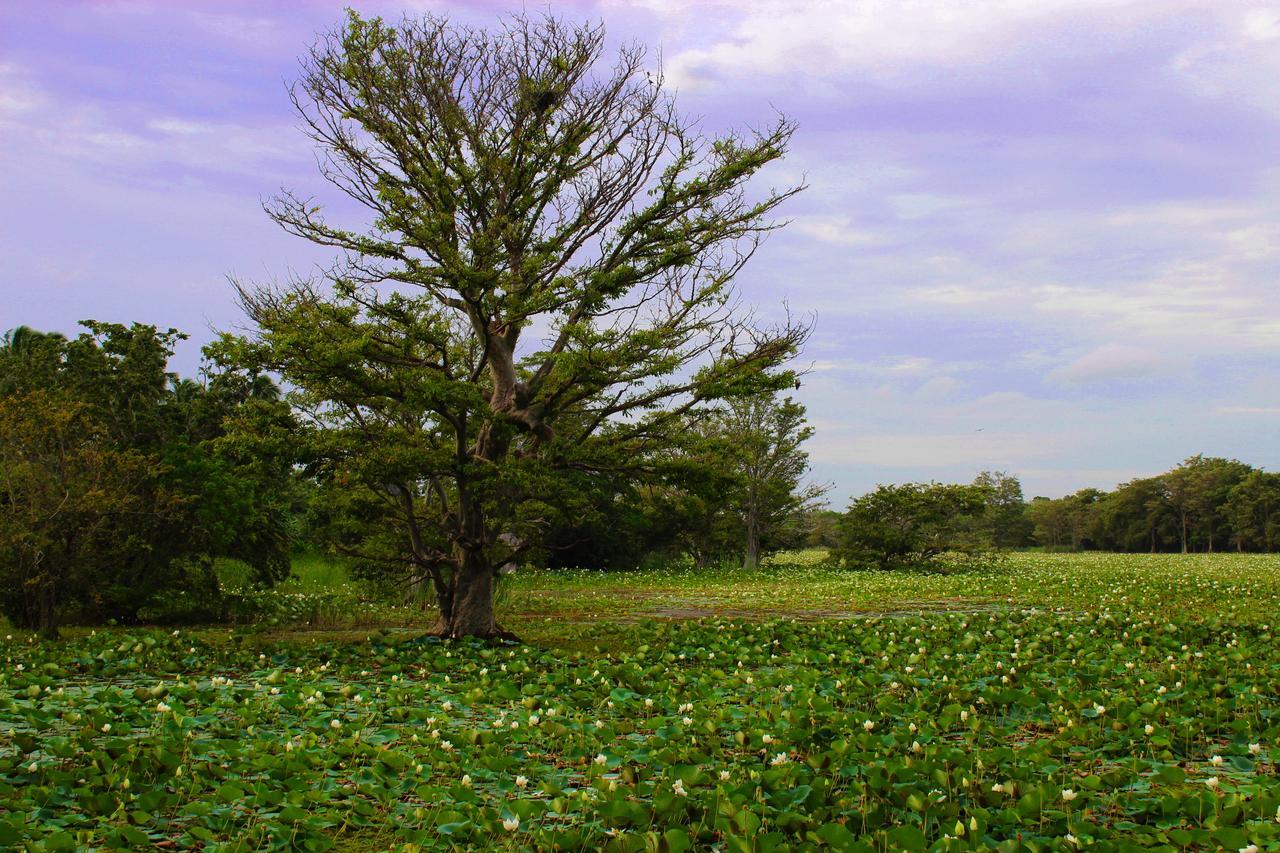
[[1204, 504], [123, 484]]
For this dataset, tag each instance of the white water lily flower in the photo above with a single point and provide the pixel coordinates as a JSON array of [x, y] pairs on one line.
[[1211, 782], [1068, 795], [1255, 748], [779, 759], [868, 725], [522, 782], [511, 824], [601, 759], [678, 788], [335, 724], [163, 708]]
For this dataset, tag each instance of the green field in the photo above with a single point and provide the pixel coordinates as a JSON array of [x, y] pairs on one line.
[[1053, 702]]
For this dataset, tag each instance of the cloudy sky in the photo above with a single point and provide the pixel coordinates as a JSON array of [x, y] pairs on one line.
[[1040, 235]]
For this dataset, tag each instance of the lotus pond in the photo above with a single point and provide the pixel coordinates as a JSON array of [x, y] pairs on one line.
[[1056, 702]]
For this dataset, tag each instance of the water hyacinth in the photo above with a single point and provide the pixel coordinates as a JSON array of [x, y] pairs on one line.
[[1073, 622]]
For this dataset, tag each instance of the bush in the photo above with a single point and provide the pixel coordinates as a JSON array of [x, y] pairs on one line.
[[913, 526], [120, 484]]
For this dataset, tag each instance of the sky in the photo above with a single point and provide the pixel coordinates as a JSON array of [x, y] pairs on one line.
[[1039, 236]]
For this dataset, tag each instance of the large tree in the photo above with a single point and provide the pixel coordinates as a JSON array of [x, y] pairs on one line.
[[66, 493], [120, 483], [912, 525], [1198, 490], [1005, 522], [544, 293], [763, 438], [1252, 508]]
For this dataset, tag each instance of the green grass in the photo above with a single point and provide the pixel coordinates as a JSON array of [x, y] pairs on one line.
[[316, 572], [1054, 702]]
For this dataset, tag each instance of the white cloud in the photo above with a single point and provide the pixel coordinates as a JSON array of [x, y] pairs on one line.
[[1262, 24], [1241, 63], [834, 229], [923, 205], [249, 30], [904, 367], [16, 94], [940, 388], [178, 126], [818, 38], [1112, 362], [937, 450], [961, 294]]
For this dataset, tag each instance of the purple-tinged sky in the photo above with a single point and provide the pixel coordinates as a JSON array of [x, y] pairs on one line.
[[1040, 235]]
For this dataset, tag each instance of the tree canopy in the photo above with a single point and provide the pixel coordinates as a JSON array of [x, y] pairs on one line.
[[543, 295], [119, 482]]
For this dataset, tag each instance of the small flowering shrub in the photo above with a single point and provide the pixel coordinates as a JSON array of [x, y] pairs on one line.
[[1131, 704]]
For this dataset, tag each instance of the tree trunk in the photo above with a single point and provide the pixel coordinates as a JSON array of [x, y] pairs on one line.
[[1184, 533], [751, 559], [473, 599], [467, 611], [48, 621]]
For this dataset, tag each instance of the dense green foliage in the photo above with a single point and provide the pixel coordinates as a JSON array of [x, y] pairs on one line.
[[1204, 504], [1061, 701], [914, 525], [542, 300], [762, 439], [119, 483], [731, 488]]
